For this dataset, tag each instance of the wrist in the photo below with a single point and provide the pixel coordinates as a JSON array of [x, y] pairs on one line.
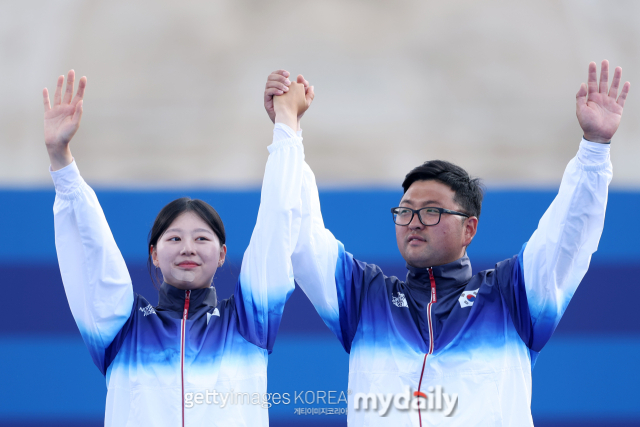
[[596, 138], [59, 158], [287, 117]]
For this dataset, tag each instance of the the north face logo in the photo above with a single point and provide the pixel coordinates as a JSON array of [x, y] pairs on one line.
[[400, 300], [148, 310]]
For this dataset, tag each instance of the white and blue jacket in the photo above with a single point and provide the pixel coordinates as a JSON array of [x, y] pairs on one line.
[[443, 329], [152, 357]]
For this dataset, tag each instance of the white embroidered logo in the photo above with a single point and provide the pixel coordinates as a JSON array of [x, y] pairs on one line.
[[400, 300], [148, 310], [467, 298], [215, 313]]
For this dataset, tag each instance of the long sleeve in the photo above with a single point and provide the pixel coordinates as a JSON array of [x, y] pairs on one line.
[[266, 276], [332, 280], [95, 277], [557, 256]]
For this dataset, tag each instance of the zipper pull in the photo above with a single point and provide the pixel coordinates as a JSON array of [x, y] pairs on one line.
[[433, 285], [187, 298]]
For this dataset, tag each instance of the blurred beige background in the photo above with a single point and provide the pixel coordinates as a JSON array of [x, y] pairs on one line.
[[174, 93]]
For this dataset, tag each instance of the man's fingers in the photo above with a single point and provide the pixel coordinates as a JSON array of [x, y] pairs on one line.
[[279, 79], [68, 93], [276, 84], [272, 92], [302, 81], [592, 78], [623, 94], [617, 74], [604, 77], [57, 96], [581, 96], [284, 73], [310, 95], [45, 96]]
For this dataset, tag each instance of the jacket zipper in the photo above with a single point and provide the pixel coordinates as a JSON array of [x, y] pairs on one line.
[[424, 363], [185, 314]]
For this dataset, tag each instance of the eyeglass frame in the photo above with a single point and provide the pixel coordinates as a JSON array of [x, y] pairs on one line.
[[414, 211]]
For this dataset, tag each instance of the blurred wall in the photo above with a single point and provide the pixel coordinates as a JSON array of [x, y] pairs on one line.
[[175, 88]]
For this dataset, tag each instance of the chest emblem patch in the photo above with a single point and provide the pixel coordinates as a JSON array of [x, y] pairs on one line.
[[467, 298], [400, 300]]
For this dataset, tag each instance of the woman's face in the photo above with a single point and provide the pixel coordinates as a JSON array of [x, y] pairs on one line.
[[188, 253]]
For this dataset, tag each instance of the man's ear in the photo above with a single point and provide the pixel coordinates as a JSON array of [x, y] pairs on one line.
[[470, 227]]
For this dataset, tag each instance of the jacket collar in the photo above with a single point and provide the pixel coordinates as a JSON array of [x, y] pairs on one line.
[[447, 276], [172, 298]]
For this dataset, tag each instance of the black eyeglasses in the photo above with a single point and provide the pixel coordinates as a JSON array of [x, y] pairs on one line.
[[427, 216]]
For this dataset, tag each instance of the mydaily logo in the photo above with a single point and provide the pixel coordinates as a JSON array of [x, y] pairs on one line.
[[433, 400]]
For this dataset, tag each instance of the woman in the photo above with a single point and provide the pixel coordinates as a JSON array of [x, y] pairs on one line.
[[192, 360]]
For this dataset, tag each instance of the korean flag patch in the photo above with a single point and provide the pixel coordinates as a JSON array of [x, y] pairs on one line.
[[467, 298]]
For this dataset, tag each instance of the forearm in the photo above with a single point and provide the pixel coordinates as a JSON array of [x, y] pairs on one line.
[[557, 256], [266, 277], [93, 271]]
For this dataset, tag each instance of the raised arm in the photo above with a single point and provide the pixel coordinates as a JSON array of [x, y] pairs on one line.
[[94, 274], [557, 256], [266, 277], [327, 274]]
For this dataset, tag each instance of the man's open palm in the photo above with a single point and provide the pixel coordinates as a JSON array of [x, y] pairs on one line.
[[599, 109]]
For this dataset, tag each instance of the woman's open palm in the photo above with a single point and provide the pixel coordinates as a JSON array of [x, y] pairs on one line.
[[63, 119]]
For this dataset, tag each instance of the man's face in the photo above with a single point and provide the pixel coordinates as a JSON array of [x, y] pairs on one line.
[[427, 246]]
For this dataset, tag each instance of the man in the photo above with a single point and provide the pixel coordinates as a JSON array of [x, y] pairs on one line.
[[444, 347]]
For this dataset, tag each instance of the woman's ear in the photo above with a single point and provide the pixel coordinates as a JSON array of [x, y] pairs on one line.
[[154, 256], [223, 255]]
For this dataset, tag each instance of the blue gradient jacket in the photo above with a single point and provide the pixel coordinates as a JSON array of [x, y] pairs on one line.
[[442, 330], [157, 359]]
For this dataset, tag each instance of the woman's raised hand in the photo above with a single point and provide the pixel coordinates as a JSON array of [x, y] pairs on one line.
[[62, 120]]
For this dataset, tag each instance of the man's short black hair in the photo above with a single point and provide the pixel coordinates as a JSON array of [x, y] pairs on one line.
[[468, 190]]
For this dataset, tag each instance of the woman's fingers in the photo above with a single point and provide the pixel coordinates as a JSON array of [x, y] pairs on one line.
[[57, 97], [68, 93], [77, 114], [45, 96], [82, 84]]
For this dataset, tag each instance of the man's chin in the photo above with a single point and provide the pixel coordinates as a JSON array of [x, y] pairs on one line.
[[417, 260]]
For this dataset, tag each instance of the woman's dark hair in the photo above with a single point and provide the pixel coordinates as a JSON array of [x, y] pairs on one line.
[[468, 190], [173, 210]]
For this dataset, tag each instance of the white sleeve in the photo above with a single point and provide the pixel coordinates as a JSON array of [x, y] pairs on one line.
[[94, 274], [557, 256], [266, 276], [330, 277]]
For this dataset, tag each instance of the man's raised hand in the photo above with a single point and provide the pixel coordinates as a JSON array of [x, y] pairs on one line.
[[278, 83], [599, 109], [62, 120]]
